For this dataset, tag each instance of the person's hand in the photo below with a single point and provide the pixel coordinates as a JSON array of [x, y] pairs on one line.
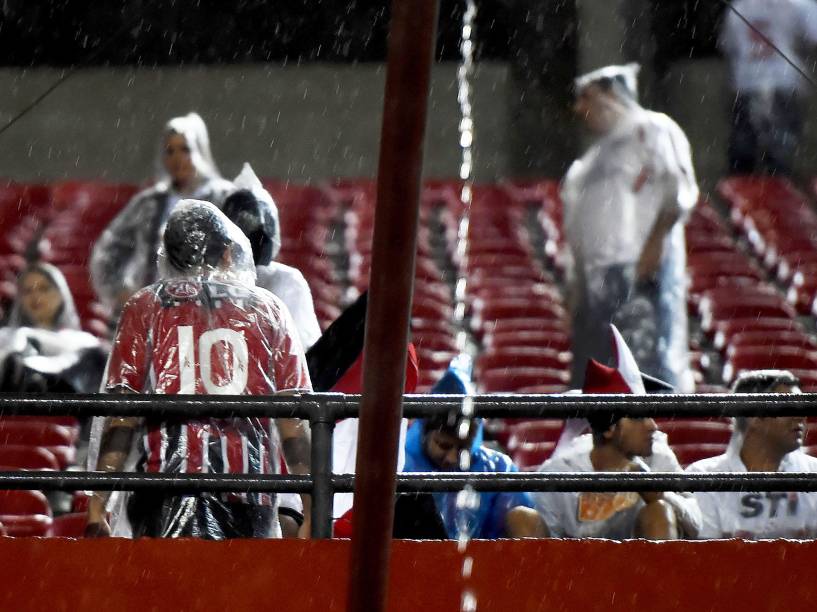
[[649, 497], [650, 261], [98, 529]]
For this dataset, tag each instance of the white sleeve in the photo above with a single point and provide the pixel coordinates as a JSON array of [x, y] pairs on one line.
[[708, 508]]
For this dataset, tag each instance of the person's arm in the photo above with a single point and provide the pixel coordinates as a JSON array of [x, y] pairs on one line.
[[296, 446], [650, 260], [117, 439], [114, 250]]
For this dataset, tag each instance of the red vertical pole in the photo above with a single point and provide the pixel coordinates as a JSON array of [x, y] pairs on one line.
[[410, 56]]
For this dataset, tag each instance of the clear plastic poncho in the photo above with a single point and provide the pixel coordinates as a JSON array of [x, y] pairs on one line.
[[613, 196], [284, 281], [62, 358], [204, 328], [124, 257]]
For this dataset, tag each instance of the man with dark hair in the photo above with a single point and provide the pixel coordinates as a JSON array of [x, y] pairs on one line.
[[204, 328], [450, 443], [619, 444], [761, 444]]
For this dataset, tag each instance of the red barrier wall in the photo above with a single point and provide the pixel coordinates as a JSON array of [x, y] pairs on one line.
[[552, 575]]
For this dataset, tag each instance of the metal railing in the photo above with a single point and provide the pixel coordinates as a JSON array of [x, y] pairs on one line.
[[325, 409]]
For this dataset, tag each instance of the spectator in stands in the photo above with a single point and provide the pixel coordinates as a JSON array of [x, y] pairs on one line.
[[42, 347], [625, 202], [203, 328], [438, 444], [124, 258], [618, 444], [253, 210], [761, 444], [767, 105]]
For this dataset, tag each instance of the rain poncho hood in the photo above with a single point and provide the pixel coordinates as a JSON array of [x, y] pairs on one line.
[[61, 359], [201, 242], [623, 80], [124, 257], [478, 515], [194, 130], [258, 219], [67, 317]]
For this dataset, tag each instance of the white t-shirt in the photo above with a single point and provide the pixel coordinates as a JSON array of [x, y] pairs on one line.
[[288, 284], [757, 516], [613, 194], [607, 515], [790, 24]]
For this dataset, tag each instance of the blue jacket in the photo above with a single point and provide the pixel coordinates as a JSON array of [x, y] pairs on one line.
[[487, 520]]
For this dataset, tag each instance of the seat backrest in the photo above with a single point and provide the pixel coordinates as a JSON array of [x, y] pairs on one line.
[[24, 502]]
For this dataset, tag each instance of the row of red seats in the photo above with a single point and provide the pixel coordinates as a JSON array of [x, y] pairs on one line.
[[517, 308], [752, 323], [779, 223]]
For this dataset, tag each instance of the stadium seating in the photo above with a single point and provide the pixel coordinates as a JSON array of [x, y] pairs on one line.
[[25, 513]]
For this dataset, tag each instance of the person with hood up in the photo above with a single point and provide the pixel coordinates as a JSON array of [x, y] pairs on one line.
[[625, 203], [204, 328], [618, 444], [42, 347], [253, 210], [761, 444], [439, 444], [124, 257]]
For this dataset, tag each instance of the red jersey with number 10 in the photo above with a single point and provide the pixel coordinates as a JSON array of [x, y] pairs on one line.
[[216, 338]]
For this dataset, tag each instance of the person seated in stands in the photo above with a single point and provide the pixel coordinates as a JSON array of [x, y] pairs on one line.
[[617, 444], [124, 257], [204, 328], [42, 347], [253, 210], [439, 444], [761, 444]]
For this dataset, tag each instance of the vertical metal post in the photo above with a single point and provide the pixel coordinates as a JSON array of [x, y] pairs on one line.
[[322, 424], [411, 52]]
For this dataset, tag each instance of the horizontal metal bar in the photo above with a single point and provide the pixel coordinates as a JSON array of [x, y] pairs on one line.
[[414, 406], [418, 481], [603, 481], [157, 406], [172, 483]]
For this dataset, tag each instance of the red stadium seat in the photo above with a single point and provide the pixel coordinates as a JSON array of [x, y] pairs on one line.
[[690, 453], [69, 525], [546, 430], [723, 331], [510, 380], [54, 438], [551, 339], [793, 339], [696, 432], [528, 356], [27, 458], [25, 513], [764, 357]]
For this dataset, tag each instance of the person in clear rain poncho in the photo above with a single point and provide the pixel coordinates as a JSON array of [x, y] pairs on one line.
[[42, 347], [625, 203], [124, 258], [253, 210], [204, 328]]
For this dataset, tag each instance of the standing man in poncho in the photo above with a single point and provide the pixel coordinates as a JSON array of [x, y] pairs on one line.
[[625, 203]]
